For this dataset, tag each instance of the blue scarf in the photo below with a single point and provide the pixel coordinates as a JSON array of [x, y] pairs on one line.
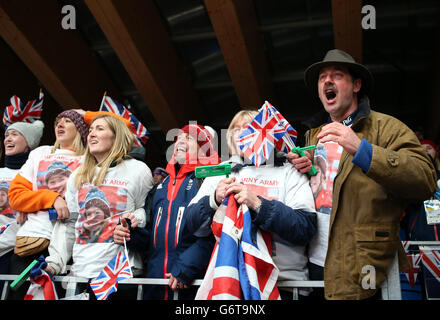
[[16, 161]]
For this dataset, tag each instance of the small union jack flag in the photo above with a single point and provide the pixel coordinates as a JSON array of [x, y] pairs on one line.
[[4, 227], [140, 132], [107, 281], [268, 130], [23, 112]]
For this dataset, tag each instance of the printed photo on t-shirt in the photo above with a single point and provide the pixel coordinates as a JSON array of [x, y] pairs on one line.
[[326, 161], [53, 173], [100, 210], [5, 207]]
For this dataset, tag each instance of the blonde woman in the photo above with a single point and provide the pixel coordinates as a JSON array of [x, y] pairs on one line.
[[108, 175], [239, 122], [30, 196]]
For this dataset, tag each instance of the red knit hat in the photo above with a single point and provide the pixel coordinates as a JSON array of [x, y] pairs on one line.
[[202, 136], [430, 142]]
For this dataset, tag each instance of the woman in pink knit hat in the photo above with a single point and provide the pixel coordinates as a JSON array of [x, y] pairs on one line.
[[30, 195]]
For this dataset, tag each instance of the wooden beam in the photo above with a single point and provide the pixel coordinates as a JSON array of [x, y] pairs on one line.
[[347, 28], [235, 24], [139, 37], [21, 82], [58, 58]]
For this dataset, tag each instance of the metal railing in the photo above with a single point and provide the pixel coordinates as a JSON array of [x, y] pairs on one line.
[[71, 285], [390, 287]]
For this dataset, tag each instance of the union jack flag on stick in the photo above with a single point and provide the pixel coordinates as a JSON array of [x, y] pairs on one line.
[[140, 132], [23, 112], [241, 266], [116, 270], [268, 130]]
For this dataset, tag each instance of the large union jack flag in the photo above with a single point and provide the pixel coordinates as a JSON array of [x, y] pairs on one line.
[[140, 132], [107, 281], [23, 112], [431, 260], [431, 270], [410, 284], [241, 266], [268, 130], [413, 271]]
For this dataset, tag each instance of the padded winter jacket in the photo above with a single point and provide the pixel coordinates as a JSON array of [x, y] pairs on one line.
[[171, 247], [364, 222]]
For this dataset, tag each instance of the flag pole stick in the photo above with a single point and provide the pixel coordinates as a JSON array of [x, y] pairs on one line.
[[126, 254], [288, 141], [102, 101]]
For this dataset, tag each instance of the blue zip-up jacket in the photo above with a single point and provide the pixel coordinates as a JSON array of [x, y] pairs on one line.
[[171, 247]]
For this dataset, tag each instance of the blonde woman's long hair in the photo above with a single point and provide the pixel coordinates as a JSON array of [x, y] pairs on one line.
[[122, 145], [232, 145], [77, 145]]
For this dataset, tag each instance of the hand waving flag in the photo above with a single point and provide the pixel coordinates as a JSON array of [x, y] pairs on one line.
[[268, 130]]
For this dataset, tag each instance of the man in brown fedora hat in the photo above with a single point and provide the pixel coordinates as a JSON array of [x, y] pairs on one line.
[[374, 164]]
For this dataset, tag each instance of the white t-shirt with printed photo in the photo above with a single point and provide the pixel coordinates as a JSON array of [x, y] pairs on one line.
[[37, 168], [8, 221], [124, 189]]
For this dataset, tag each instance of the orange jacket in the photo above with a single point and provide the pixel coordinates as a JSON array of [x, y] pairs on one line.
[[23, 198]]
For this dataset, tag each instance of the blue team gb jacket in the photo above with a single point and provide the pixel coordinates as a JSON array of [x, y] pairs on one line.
[[171, 247]]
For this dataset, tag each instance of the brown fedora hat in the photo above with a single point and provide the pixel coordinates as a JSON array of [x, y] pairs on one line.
[[338, 57]]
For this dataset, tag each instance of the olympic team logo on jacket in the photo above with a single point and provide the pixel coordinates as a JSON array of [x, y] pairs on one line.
[[100, 210]]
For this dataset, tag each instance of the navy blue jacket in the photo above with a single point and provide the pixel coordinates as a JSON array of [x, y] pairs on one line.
[[293, 225], [171, 247], [414, 226]]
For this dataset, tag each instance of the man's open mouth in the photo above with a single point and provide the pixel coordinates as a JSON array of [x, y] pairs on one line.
[[330, 94]]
